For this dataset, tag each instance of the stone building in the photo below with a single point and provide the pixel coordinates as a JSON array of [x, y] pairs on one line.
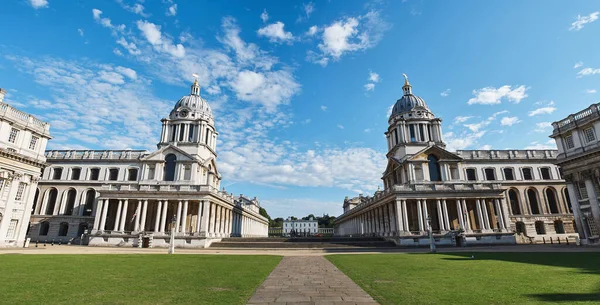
[[300, 226], [483, 196], [579, 158], [136, 197], [23, 139]]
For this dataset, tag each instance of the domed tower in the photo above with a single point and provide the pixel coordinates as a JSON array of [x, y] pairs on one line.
[[412, 125], [191, 126]]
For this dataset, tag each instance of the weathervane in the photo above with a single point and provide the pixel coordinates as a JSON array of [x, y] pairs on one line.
[[405, 77], [195, 76]]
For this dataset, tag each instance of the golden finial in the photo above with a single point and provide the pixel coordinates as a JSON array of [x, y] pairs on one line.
[[195, 78], [406, 83]]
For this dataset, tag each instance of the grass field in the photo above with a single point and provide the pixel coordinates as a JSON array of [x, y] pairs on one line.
[[132, 279], [489, 278]]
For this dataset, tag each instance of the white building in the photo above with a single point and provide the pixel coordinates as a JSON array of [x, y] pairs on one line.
[[579, 158], [23, 139], [136, 198], [484, 196], [300, 226]]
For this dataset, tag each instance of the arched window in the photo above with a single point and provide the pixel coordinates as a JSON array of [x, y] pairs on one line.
[[44, 227], [63, 229], [170, 167], [533, 202], [520, 226], [551, 197], [51, 201], [434, 168], [81, 230], [513, 197], [539, 228], [70, 202], [90, 196], [559, 228], [568, 200], [35, 200]]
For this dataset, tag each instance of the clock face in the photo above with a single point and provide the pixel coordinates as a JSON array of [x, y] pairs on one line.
[[183, 113]]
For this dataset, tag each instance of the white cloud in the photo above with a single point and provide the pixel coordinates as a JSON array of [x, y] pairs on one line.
[[550, 144], [137, 8], [368, 130], [117, 52], [347, 35], [275, 32], [590, 91], [309, 8], [542, 127], [324, 108], [461, 119], [105, 22], [172, 10], [578, 64], [462, 140], [583, 20], [264, 16], [340, 126], [445, 93], [267, 88], [80, 31], [369, 87], [312, 30], [491, 95], [153, 34], [485, 147], [542, 110], [587, 71], [37, 4], [283, 207], [374, 77], [129, 46], [509, 121], [475, 127]]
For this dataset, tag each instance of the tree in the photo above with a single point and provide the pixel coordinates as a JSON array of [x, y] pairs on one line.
[[264, 213], [276, 223]]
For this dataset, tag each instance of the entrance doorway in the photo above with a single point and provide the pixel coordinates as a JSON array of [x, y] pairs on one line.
[[145, 242]]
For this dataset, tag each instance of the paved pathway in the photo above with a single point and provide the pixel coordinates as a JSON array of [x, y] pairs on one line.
[[309, 280]]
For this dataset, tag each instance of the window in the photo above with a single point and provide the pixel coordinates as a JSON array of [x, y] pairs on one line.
[[63, 229], [44, 227], [527, 174], [57, 173], [559, 228], [582, 190], [454, 172], [75, 173], [539, 228], [434, 168], [181, 131], [20, 191], [418, 173], [421, 133], [552, 202], [113, 174], [187, 172], [490, 174], [170, 167], [508, 174], [132, 174], [12, 228], [545, 173], [533, 202], [589, 135], [12, 137], [90, 196], [411, 128], [150, 172], [471, 176], [33, 142], [51, 201], [569, 141], [520, 226], [568, 200], [191, 133], [70, 202], [513, 197], [94, 174]]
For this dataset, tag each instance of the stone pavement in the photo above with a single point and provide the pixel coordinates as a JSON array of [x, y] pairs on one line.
[[309, 280]]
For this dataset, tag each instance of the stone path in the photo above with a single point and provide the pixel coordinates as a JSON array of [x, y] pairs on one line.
[[309, 280]]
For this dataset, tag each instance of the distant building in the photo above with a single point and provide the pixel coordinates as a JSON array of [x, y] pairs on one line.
[[483, 196], [578, 142], [300, 226], [23, 139]]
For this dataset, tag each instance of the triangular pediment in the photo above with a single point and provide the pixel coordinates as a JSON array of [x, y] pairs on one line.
[[160, 154], [440, 153], [391, 164]]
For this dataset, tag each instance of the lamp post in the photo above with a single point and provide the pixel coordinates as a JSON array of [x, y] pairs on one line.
[[172, 240], [431, 241]]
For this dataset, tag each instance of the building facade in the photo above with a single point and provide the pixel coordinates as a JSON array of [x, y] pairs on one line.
[[137, 198], [579, 158], [466, 196], [300, 227], [23, 139]]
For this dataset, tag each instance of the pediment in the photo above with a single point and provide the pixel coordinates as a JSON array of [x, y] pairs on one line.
[[160, 154]]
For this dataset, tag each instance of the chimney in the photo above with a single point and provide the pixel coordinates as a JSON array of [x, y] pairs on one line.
[[2, 93]]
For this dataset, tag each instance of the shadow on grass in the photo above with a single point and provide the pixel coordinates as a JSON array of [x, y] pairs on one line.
[[586, 263]]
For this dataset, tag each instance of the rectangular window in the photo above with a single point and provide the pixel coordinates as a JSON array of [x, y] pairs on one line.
[[94, 174], [419, 173], [57, 173], [490, 174], [113, 174], [582, 191], [527, 175], [187, 172], [508, 174], [75, 173], [191, 133], [12, 228], [421, 133], [181, 131], [471, 175], [20, 191], [569, 141], [545, 173], [411, 128], [12, 137], [589, 135], [132, 174], [33, 142]]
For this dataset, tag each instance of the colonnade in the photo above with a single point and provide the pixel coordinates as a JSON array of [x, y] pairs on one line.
[[418, 216], [202, 218]]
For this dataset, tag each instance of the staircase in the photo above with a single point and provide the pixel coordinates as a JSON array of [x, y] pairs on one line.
[[303, 242]]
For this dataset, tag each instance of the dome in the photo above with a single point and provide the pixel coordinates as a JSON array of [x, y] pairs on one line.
[[408, 102], [191, 106]]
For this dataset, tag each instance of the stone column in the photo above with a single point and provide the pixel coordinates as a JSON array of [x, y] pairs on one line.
[[118, 216], [420, 215], [198, 226], [479, 215], [218, 221], [446, 217], [138, 211], [393, 222], [98, 215], [144, 214], [205, 217], [486, 219], [399, 218], [157, 218], [441, 223], [504, 208], [178, 217], [124, 215], [211, 225], [467, 218], [500, 216], [581, 228], [406, 224], [459, 212], [184, 217], [593, 198], [386, 226], [425, 215], [163, 223]]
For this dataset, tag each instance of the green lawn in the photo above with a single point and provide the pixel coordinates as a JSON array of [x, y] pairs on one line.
[[132, 279], [490, 278]]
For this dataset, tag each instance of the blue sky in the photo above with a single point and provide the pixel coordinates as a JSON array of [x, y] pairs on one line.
[[300, 90]]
